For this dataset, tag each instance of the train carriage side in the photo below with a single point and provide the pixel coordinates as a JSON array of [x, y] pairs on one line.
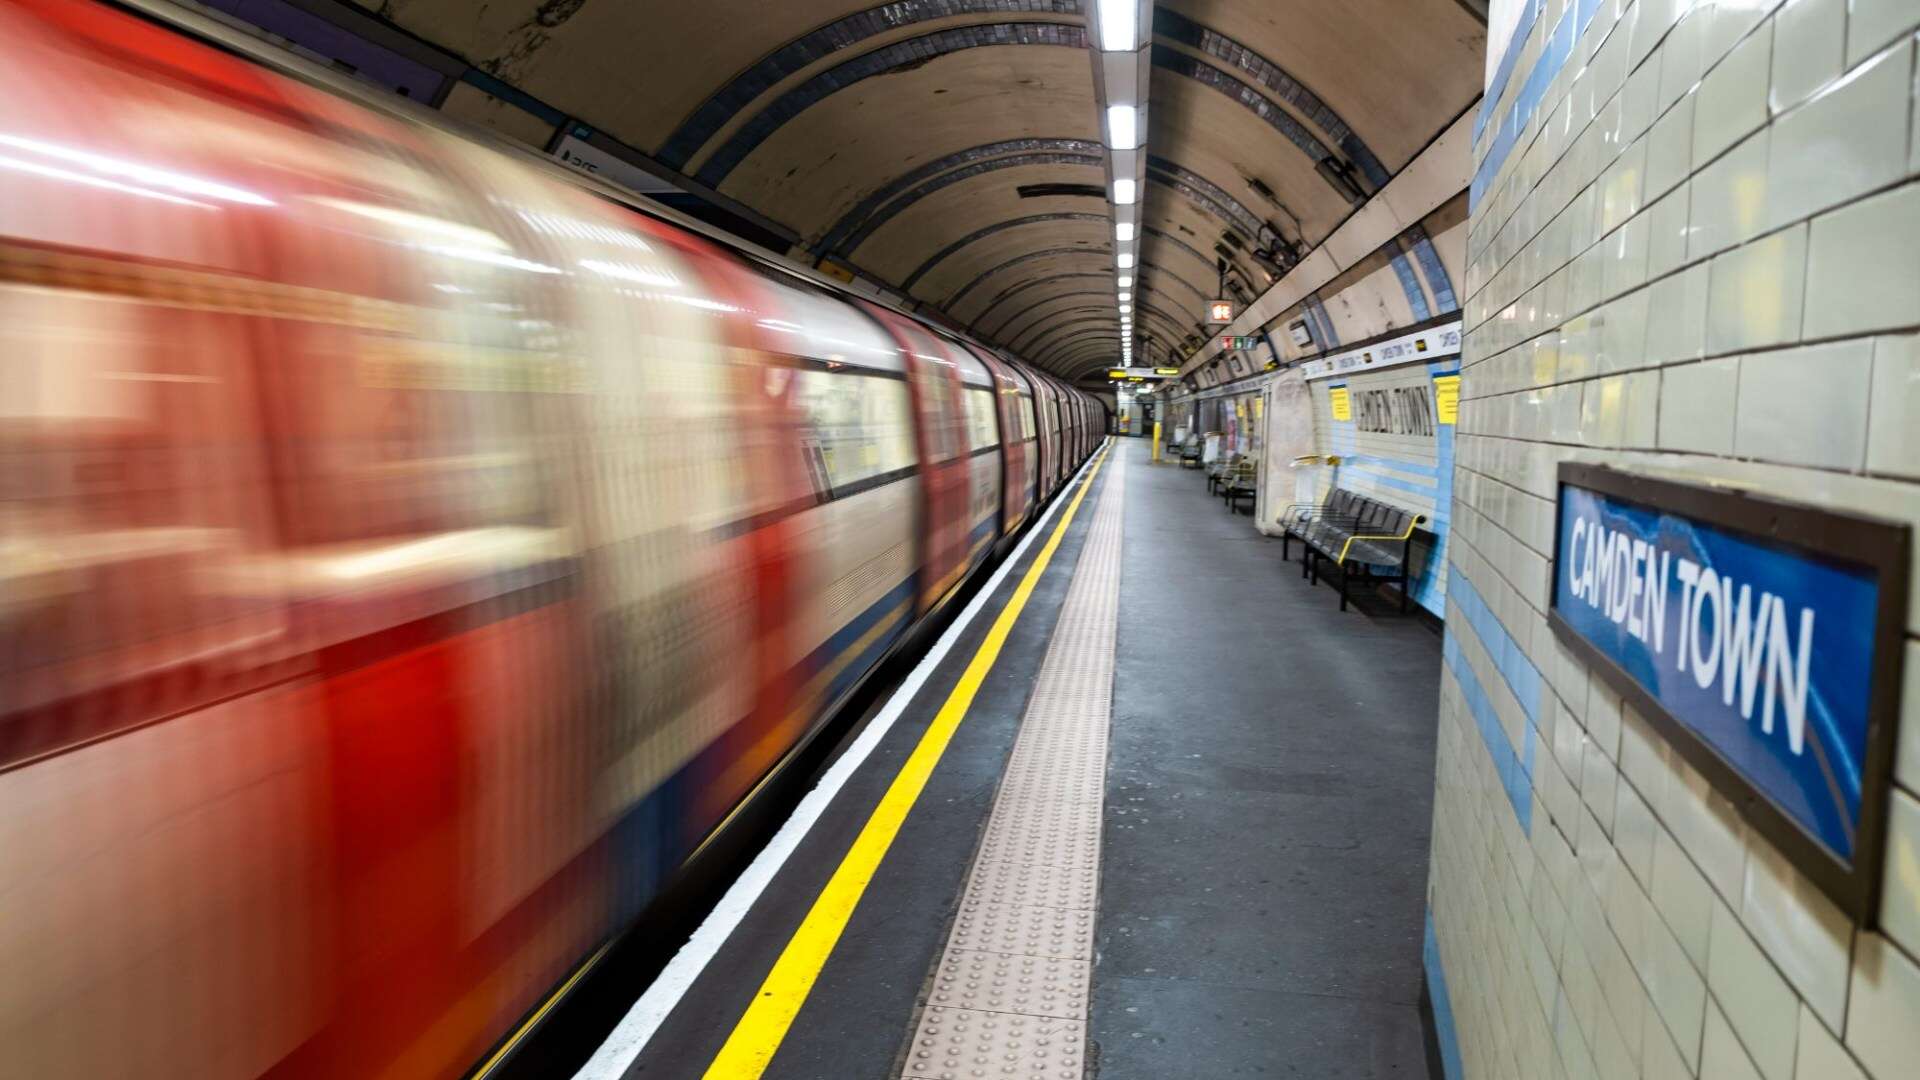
[[982, 448], [1019, 458]]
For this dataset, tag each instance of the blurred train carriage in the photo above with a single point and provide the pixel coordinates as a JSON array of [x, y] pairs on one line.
[[407, 557]]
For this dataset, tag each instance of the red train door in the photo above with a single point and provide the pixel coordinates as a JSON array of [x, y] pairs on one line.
[[939, 432]]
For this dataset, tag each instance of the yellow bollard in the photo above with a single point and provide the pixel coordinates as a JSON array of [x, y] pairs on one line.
[[1156, 442]]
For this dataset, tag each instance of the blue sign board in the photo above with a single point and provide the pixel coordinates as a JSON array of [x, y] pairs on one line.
[[1763, 639]]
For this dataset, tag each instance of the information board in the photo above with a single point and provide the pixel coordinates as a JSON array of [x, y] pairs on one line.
[[1764, 640], [1340, 401]]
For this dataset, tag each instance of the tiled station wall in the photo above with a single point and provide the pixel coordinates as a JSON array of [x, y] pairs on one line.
[[1414, 471], [1694, 252]]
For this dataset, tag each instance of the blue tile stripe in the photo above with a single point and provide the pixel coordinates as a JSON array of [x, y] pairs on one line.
[[1444, 1030], [1558, 50], [1522, 678], [1515, 44], [1514, 770], [1442, 285], [1409, 284]]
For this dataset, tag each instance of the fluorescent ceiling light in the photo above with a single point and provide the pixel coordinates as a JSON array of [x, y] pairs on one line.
[[1125, 280], [1123, 127], [1123, 191], [1125, 260], [1119, 25], [1124, 308], [1125, 295], [1123, 231]]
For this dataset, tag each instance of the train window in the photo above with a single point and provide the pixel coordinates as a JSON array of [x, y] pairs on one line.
[[862, 424], [1028, 420], [133, 508], [981, 430]]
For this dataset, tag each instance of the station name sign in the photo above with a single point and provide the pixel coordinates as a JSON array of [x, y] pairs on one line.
[[1763, 639]]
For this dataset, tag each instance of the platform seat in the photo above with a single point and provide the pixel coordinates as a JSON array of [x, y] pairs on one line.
[[1240, 483], [1359, 535]]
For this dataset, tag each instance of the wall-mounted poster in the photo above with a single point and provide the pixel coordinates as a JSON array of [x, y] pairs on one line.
[[1763, 639]]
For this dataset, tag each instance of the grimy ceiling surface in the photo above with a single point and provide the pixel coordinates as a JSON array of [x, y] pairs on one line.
[[915, 140]]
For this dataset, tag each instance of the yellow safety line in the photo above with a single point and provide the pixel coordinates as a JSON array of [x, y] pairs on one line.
[[764, 1026]]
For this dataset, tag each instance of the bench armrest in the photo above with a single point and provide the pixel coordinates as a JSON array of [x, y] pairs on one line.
[[1405, 534]]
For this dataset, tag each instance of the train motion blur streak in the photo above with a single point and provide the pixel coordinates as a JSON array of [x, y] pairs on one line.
[[408, 557]]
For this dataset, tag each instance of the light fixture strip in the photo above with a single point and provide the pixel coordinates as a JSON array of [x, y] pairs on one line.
[[1121, 66]]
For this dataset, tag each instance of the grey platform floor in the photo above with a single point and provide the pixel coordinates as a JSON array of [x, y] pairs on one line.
[[1269, 796], [1265, 845]]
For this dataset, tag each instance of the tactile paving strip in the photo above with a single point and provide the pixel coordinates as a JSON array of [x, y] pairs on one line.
[[1007, 982], [1009, 998], [961, 1044]]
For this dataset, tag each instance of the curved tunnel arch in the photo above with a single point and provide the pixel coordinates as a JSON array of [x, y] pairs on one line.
[[1038, 327], [916, 50], [992, 230], [797, 54], [1041, 352]]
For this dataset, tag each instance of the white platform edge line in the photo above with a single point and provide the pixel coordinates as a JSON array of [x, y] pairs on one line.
[[625, 1043]]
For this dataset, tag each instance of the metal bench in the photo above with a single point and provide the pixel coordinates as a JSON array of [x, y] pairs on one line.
[[1190, 453], [1358, 535], [1217, 472], [1240, 483]]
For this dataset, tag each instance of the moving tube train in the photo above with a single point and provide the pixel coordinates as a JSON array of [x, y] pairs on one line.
[[408, 555]]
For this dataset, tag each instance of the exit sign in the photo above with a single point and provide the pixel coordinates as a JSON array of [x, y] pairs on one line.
[[1219, 311]]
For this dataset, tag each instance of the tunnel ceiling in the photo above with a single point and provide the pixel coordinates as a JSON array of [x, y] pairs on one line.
[[952, 148]]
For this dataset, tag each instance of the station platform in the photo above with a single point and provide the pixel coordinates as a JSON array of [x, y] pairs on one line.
[[1152, 807]]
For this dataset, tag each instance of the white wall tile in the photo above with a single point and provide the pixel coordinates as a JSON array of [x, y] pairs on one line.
[[1804, 934], [1732, 99], [1633, 831], [1643, 410], [1721, 1055], [1900, 882], [1755, 999], [1680, 54], [1813, 33], [1708, 828], [1728, 203], [1621, 188], [1598, 778], [1807, 406], [1697, 406], [1864, 263], [1847, 141], [1873, 23], [1624, 263], [1756, 292], [1885, 999], [1677, 316], [1819, 1056], [1670, 148], [1907, 760], [1667, 232], [1893, 432]]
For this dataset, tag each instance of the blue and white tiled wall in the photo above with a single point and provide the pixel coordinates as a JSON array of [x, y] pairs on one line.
[[1694, 251]]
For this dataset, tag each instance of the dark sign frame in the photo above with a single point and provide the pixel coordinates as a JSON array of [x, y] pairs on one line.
[[1876, 544]]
